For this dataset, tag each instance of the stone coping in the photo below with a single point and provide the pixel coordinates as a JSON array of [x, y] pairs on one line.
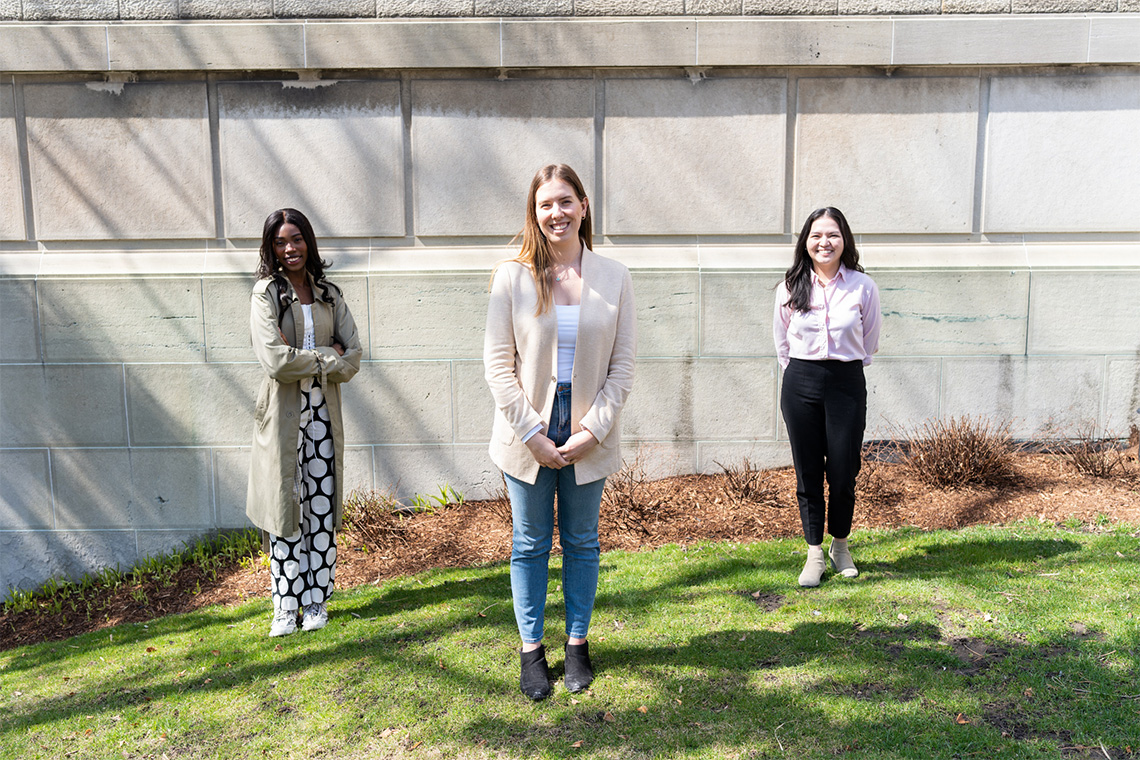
[[356, 260], [507, 43]]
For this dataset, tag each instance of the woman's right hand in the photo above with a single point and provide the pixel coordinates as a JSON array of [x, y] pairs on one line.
[[545, 452]]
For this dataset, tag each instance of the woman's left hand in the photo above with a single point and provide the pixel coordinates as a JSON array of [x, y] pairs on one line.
[[338, 348], [578, 445]]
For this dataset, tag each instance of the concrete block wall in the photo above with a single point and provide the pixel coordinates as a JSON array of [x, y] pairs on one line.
[[996, 205]]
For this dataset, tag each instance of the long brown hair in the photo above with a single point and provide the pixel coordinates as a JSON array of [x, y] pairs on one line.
[[535, 252]]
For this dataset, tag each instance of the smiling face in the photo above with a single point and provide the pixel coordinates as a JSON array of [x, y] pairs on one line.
[[291, 249], [825, 246], [559, 211]]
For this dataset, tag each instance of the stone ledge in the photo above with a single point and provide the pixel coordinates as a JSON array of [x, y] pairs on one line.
[[299, 45], [1121, 256]]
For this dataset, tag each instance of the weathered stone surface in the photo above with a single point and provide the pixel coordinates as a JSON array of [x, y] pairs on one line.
[[129, 163], [1038, 396], [412, 8], [731, 129], [191, 405], [398, 402], [406, 310], [714, 456], [474, 405], [993, 40], [11, 188], [148, 9], [69, 10], [1129, 6], [10, 9], [1064, 6], [334, 151], [976, 6], [599, 42], [225, 304], [1055, 327], [410, 470], [226, 8], [794, 42], [524, 7], [324, 8], [62, 405], [152, 319], [946, 313], [1122, 396], [50, 47], [29, 558], [412, 45], [474, 474], [194, 47], [231, 479], [888, 7], [736, 313], [1115, 39], [139, 488], [629, 7], [714, 7], [25, 490], [667, 304], [493, 136], [19, 322], [791, 7], [685, 400], [1048, 123], [901, 394], [896, 155]]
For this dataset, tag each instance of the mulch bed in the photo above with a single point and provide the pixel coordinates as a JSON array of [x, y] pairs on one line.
[[637, 515]]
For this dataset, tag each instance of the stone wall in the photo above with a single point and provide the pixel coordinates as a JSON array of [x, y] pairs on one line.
[[988, 165], [149, 10]]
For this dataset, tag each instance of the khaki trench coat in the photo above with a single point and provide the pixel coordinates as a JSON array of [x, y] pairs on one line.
[[273, 501], [520, 356]]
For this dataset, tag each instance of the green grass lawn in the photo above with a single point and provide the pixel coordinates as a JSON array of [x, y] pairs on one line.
[[1019, 641]]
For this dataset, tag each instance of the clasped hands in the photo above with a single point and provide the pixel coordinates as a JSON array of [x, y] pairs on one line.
[[557, 457]]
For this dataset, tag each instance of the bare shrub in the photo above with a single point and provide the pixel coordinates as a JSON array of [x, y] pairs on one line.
[[375, 518], [872, 486], [745, 482], [1089, 455], [499, 502], [628, 499], [961, 451]]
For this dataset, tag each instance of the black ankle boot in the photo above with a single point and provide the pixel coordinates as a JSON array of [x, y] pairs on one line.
[[534, 680], [579, 669]]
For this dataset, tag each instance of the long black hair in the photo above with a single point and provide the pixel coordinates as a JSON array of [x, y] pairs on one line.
[[269, 266], [798, 277]]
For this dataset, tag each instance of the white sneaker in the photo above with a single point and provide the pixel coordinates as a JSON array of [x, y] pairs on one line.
[[316, 617], [813, 567], [841, 559], [284, 623]]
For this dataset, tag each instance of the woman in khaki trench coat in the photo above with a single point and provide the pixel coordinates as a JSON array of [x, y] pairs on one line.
[[306, 341]]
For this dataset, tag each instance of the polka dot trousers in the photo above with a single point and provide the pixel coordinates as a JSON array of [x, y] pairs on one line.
[[302, 567]]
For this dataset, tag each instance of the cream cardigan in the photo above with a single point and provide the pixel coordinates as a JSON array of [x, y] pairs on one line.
[[520, 354]]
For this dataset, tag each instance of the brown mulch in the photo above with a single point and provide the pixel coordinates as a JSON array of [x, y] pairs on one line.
[[636, 515]]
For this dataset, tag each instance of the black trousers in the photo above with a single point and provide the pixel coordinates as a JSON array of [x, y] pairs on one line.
[[824, 404]]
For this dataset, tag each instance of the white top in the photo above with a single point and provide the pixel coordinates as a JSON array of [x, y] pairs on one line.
[[567, 339], [310, 341]]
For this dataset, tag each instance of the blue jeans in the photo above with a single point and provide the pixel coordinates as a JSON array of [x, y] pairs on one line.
[[532, 509]]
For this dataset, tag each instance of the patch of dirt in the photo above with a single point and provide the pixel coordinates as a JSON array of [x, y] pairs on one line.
[[766, 601], [637, 515], [975, 654]]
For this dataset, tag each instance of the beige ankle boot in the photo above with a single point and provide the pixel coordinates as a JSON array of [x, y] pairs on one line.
[[841, 558], [813, 567]]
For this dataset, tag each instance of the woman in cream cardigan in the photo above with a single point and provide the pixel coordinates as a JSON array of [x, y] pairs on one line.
[[559, 351]]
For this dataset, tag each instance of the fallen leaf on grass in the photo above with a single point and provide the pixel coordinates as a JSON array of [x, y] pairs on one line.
[[608, 717], [988, 618], [573, 701], [643, 709], [277, 648], [577, 743], [961, 720], [387, 732], [903, 617], [151, 649], [215, 652]]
